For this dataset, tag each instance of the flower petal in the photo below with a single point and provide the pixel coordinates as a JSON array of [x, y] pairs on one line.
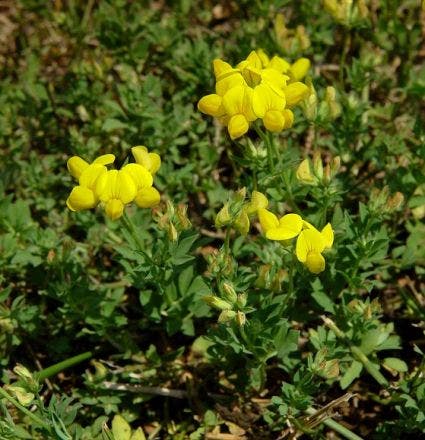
[[300, 68], [238, 126], [105, 159], [81, 198], [140, 175], [267, 219], [125, 189], [328, 235], [258, 201], [211, 105], [295, 92], [147, 197], [274, 121], [315, 262], [114, 209], [151, 161], [292, 223], [76, 165], [90, 175]]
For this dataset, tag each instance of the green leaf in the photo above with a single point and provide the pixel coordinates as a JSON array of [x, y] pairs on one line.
[[395, 364], [113, 124], [352, 373]]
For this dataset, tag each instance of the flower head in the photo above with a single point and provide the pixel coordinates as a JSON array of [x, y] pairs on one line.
[[114, 188], [258, 87], [310, 245]]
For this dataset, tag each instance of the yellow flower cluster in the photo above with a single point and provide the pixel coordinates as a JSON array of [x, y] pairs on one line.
[[114, 188], [311, 243], [258, 87]]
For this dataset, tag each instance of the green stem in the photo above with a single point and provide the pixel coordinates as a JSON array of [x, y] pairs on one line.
[[227, 242], [346, 48], [24, 410], [132, 230], [336, 427], [57, 368], [357, 353], [289, 193]]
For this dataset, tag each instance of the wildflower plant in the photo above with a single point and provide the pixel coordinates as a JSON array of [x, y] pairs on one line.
[[272, 286]]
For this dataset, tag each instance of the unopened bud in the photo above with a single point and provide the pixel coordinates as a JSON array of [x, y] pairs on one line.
[[26, 378], [240, 319], [240, 195], [327, 174], [217, 303], [172, 232], [242, 299], [226, 316], [223, 217], [277, 280], [263, 276], [318, 165], [304, 174], [335, 165], [182, 216], [229, 292], [21, 394], [394, 202], [334, 107], [309, 104], [6, 325], [242, 223]]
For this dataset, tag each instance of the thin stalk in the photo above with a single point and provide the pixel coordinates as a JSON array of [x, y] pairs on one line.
[[357, 353], [132, 230], [227, 242], [24, 410], [60, 366], [336, 427], [345, 50]]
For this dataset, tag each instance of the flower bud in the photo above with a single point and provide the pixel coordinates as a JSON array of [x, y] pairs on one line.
[[304, 174], [318, 165], [21, 394], [240, 319], [216, 302], [181, 213], [226, 316], [309, 104], [242, 299], [229, 292], [263, 276], [223, 217], [334, 107], [172, 232]]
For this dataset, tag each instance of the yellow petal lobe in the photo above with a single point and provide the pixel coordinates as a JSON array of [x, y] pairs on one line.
[[147, 197]]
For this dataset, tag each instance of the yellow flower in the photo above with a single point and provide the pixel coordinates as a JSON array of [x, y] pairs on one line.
[[115, 188], [238, 105], [147, 196], [310, 245], [299, 69], [151, 161], [83, 196], [285, 228], [270, 107], [295, 93]]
